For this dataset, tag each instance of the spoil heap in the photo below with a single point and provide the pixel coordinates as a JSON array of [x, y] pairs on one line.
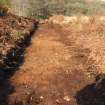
[[14, 31]]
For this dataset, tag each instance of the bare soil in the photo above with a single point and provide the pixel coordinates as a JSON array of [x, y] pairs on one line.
[[57, 67]]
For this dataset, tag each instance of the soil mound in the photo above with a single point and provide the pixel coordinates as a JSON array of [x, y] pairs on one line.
[[14, 30]]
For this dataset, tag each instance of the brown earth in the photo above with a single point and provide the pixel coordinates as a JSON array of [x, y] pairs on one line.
[[57, 65], [14, 30]]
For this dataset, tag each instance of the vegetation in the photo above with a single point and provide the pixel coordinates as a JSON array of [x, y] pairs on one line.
[[45, 8], [4, 2], [16, 35], [42, 9]]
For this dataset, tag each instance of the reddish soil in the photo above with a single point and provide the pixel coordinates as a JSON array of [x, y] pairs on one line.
[[56, 66]]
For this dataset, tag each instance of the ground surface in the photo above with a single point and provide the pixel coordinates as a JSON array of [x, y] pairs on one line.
[[57, 65]]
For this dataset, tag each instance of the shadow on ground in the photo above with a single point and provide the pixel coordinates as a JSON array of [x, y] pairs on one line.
[[13, 63], [93, 94]]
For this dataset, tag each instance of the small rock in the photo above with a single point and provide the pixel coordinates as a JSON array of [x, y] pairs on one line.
[[57, 101], [67, 98], [41, 97]]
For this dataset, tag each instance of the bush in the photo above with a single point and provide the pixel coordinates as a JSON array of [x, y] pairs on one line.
[[4, 2]]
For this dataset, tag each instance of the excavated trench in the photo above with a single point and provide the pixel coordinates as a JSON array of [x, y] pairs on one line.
[[52, 66], [57, 71]]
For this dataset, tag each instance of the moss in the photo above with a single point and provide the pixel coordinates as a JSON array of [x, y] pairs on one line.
[[17, 35]]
